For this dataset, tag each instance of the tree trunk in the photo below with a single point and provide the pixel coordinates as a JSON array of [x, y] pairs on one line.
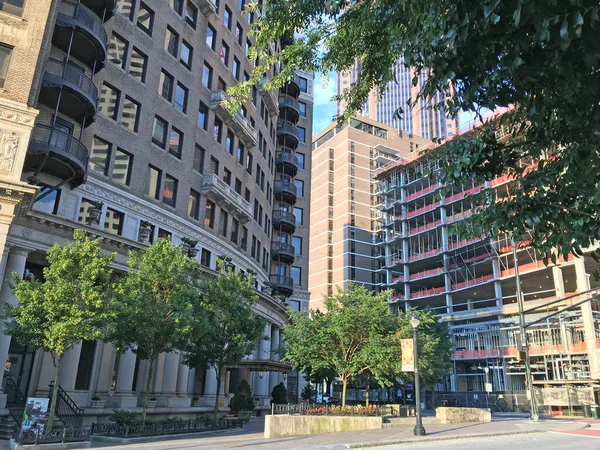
[[367, 393], [344, 388], [216, 408], [147, 396], [54, 397]]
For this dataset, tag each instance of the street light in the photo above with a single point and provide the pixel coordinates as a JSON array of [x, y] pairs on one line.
[[285, 375], [486, 369], [261, 374], [419, 430]]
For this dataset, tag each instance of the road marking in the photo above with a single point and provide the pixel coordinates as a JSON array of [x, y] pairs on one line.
[[584, 433]]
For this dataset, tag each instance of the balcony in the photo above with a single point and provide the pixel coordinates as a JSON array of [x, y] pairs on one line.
[[284, 221], [76, 92], [282, 252], [287, 163], [216, 189], [285, 191], [287, 134], [207, 7], [58, 154], [282, 284], [289, 108], [236, 122], [269, 97], [103, 8], [90, 40], [293, 87]]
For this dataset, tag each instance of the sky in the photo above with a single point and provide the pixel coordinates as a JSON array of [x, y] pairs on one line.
[[324, 109]]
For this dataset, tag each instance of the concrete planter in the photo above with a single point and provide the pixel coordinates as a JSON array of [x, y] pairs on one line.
[[463, 415], [284, 425]]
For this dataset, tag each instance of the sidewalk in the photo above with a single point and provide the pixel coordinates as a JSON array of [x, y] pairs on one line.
[[252, 436]]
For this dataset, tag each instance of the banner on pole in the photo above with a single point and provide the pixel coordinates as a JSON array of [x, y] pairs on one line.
[[408, 362]]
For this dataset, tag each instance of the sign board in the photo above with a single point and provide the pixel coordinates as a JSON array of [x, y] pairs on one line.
[[35, 414], [488, 387], [408, 354]]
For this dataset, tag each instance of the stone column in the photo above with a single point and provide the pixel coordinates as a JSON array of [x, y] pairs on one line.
[[15, 263], [106, 368], [262, 385], [191, 386], [182, 378], [589, 324], [210, 387], [124, 395], [68, 370], [159, 370], [169, 381]]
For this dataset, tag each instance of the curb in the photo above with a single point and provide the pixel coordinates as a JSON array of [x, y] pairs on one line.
[[437, 439]]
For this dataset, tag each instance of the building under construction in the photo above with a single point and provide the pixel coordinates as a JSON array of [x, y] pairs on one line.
[[471, 284]]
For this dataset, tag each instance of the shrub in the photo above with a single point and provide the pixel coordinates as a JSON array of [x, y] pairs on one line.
[[347, 410], [242, 400], [279, 394], [124, 417]]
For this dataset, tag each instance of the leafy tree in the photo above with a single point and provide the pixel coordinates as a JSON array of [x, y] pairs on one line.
[[224, 328], [308, 392], [243, 400], [540, 58], [153, 302], [279, 394], [435, 359], [355, 334], [68, 306]]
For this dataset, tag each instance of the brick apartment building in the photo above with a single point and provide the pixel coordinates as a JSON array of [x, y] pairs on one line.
[[132, 129]]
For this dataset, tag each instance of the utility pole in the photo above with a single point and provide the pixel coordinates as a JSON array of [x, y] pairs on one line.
[[533, 413]]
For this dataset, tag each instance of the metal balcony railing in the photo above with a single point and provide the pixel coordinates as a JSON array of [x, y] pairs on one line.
[[85, 18], [75, 77]]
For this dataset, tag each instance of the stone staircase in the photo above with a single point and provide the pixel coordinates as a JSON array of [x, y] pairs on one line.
[[7, 425]]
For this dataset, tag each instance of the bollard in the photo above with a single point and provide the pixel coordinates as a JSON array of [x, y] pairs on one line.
[[273, 408]]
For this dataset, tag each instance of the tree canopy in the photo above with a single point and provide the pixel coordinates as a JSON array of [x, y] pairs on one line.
[[541, 59], [66, 307]]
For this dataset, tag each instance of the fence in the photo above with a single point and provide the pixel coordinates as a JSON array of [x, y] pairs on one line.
[[508, 401], [57, 436], [311, 409], [180, 427]]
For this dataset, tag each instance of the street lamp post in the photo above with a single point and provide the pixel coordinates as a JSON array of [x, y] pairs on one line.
[[486, 369], [419, 430]]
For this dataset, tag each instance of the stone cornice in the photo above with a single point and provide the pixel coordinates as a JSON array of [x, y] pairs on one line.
[[17, 113]]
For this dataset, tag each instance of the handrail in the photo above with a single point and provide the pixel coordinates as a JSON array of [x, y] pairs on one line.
[[287, 128], [284, 216], [66, 409], [282, 247], [60, 142], [281, 185], [66, 72], [15, 408], [282, 280], [84, 16], [286, 157]]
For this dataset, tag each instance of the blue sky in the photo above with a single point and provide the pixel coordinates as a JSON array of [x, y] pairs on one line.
[[324, 109]]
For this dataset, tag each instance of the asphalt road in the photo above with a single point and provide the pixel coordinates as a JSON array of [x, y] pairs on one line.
[[544, 441]]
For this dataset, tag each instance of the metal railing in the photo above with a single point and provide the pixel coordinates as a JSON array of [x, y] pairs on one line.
[[286, 157], [315, 409], [284, 186], [58, 142], [282, 281], [15, 400], [86, 18], [287, 128], [283, 216], [58, 435], [289, 102], [177, 427], [66, 409], [278, 248], [74, 76]]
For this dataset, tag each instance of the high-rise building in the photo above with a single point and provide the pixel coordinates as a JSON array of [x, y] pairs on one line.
[[420, 120], [345, 215], [132, 130]]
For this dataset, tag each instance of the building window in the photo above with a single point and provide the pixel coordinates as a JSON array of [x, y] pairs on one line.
[[302, 134], [209, 214], [240, 153], [296, 274], [221, 85], [176, 5], [153, 182], [117, 50], [175, 142], [249, 162], [235, 228], [223, 223], [194, 204], [302, 109], [297, 243], [299, 187], [300, 157], [214, 165], [244, 243], [145, 19], [159, 132], [181, 96], [236, 68], [239, 34], [113, 221], [170, 190], [164, 234], [191, 14], [224, 53], [171, 42], [229, 140], [248, 45], [122, 170], [84, 210], [217, 129], [125, 8], [202, 116], [100, 156], [299, 214], [303, 84], [14, 7], [241, 4], [186, 54], [49, 204], [207, 72], [199, 159], [238, 186], [108, 103], [205, 257], [227, 17], [165, 85], [253, 248], [137, 65], [227, 176], [130, 116], [211, 37]]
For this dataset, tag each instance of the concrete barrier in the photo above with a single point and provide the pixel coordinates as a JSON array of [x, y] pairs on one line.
[[462, 415], [279, 426]]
